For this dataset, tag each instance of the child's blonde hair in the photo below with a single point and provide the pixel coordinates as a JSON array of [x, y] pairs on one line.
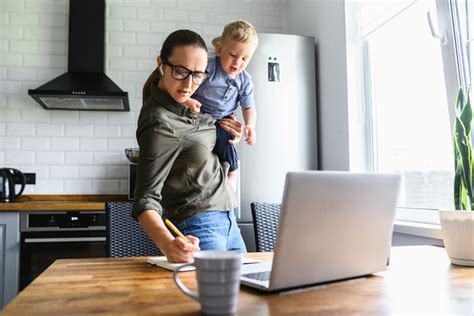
[[240, 30]]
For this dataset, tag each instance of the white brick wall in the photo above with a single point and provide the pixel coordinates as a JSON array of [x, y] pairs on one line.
[[82, 152]]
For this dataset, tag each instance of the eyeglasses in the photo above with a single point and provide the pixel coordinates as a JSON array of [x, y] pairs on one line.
[[181, 73]]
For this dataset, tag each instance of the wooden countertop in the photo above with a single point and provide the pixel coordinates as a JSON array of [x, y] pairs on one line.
[[419, 280], [65, 202]]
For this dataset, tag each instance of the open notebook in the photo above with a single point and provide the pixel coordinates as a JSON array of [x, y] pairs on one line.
[[163, 263]]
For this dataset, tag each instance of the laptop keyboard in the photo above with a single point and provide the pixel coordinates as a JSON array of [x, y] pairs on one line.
[[259, 276]]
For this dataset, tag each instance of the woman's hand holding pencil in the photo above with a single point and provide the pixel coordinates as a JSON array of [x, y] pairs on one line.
[[175, 230], [180, 249]]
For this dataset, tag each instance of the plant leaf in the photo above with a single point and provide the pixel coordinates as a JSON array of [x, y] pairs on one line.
[[466, 115], [458, 187], [464, 164], [464, 156]]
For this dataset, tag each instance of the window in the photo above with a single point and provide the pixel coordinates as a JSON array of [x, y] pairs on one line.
[[408, 96], [464, 39]]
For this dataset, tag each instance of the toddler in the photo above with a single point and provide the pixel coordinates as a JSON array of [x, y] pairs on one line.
[[228, 87]]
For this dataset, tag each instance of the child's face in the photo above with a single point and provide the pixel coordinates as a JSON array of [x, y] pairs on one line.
[[234, 55], [190, 57]]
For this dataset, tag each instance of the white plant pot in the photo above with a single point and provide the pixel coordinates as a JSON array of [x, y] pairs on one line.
[[458, 236]]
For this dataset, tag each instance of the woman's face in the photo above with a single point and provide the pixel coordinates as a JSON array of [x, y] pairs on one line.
[[191, 57]]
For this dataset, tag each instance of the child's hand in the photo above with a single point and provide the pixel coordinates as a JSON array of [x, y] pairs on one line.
[[193, 104], [250, 135]]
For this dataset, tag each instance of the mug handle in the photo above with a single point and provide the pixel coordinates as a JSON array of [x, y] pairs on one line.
[[180, 284]]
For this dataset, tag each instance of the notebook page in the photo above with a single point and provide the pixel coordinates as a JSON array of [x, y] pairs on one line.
[[163, 263]]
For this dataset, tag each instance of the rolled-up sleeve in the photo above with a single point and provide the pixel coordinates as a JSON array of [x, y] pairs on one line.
[[158, 151], [246, 99]]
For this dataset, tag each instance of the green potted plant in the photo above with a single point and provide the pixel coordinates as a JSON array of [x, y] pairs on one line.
[[458, 226]]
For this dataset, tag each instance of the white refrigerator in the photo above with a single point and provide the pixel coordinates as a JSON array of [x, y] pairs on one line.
[[283, 72]]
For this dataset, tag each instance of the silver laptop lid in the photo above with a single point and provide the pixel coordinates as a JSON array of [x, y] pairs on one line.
[[333, 225]]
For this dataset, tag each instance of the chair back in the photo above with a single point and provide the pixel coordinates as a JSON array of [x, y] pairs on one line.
[[266, 218], [125, 236]]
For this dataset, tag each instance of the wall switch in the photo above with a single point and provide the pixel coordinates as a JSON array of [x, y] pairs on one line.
[[30, 178]]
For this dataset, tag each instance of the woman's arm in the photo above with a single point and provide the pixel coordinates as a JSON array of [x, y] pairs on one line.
[[175, 249]]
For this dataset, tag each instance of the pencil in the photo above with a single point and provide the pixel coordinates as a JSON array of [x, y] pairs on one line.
[[176, 231]]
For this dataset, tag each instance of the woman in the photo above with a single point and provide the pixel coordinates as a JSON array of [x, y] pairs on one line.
[[178, 176]]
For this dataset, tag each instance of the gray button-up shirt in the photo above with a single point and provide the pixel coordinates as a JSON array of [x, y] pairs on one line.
[[178, 175]]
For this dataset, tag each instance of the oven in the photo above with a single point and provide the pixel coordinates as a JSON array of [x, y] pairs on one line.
[[47, 236]]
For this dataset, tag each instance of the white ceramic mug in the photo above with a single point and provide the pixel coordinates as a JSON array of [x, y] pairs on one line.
[[218, 279]]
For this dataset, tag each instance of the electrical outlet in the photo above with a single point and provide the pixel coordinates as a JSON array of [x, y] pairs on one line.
[[30, 178]]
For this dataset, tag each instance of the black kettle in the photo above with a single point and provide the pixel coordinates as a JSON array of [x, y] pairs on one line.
[[9, 177]]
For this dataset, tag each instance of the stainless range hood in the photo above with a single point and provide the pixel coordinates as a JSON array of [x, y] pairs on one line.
[[85, 86]]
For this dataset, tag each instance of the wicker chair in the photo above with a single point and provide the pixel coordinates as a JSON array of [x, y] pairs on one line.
[[266, 217], [125, 236]]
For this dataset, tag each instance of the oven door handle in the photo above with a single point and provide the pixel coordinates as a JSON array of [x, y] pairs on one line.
[[65, 239]]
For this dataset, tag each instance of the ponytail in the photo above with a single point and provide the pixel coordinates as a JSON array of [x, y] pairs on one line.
[[152, 79]]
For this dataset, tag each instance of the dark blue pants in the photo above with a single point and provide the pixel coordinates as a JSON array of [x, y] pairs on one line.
[[224, 150]]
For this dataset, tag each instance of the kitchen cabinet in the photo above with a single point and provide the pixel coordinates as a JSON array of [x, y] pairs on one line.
[[11, 232], [9, 256]]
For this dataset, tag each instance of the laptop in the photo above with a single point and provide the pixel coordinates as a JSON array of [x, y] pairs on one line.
[[333, 226]]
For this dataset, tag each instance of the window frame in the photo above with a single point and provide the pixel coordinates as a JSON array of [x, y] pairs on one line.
[[448, 52], [452, 83]]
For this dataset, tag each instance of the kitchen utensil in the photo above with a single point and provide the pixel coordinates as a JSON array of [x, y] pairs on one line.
[[9, 177]]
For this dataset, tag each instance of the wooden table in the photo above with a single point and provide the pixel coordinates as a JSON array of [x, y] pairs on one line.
[[420, 280]]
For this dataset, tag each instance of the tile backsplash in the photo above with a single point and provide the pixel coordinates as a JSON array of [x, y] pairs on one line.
[[74, 152]]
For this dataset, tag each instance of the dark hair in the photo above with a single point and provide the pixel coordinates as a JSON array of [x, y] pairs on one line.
[[177, 38]]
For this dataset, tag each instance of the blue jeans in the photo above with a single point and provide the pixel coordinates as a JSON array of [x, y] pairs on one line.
[[215, 230]]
